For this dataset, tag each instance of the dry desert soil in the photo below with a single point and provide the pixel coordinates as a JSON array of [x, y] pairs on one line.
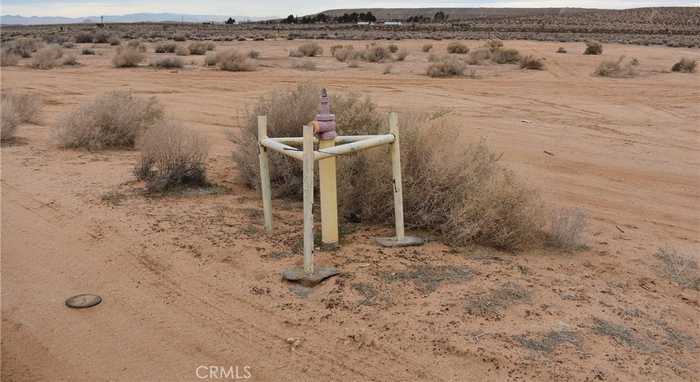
[[192, 280]]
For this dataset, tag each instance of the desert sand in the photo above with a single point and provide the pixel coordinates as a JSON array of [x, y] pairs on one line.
[[193, 280]]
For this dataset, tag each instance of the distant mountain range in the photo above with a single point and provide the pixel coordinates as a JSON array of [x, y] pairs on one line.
[[130, 18]]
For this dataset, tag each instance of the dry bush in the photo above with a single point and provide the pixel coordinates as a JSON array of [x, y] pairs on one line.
[[561, 50], [532, 62], [680, 268], [387, 69], [87, 52], [304, 65], [616, 69], [594, 48], [446, 67], [115, 41], [168, 63], [179, 37], [310, 49], [24, 47], [393, 48], [427, 47], [234, 61], [295, 53], [685, 65], [138, 45], [210, 59], [84, 38], [376, 53], [18, 108], [493, 45], [402, 54], [165, 47], [354, 64], [127, 57], [47, 58], [172, 157], [182, 50], [254, 54], [505, 56], [113, 120], [70, 60], [199, 48], [460, 192], [335, 48], [8, 58], [344, 53], [101, 37], [68, 45], [9, 120], [457, 47], [287, 111], [478, 56], [566, 231]]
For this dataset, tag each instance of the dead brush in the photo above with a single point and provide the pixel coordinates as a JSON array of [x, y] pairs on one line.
[[460, 192], [567, 229], [47, 58], [344, 53], [685, 65], [446, 67], [505, 56], [304, 65], [478, 56], [234, 61], [679, 267], [168, 63], [427, 47], [8, 58], [172, 157], [127, 57], [616, 69], [310, 49], [456, 47], [376, 53], [165, 47], [18, 108], [593, 48], [531, 62], [23, 46], [112, 120], [199, 48]]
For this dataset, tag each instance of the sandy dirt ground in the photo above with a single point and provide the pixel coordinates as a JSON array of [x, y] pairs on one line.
[[192, 281]]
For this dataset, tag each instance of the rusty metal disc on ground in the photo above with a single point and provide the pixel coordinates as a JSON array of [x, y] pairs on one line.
[[83, 301]]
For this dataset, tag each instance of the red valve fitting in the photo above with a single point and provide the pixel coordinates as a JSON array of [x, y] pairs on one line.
[[326, 120]]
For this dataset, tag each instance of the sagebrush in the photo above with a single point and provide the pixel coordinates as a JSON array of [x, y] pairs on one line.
[[172, 156], [113, 120], [18, 108], [460, 192]]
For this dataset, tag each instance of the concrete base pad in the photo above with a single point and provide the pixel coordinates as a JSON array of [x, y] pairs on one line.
[[298, 275], [407, 241]]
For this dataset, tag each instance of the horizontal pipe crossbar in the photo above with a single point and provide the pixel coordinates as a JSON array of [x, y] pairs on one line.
[[349, 144]]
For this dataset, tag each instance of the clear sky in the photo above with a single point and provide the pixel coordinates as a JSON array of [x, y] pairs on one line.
[[79, 8]]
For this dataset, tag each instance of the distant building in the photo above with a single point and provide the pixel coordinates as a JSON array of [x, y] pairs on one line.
[[363, 23], [392, 23]]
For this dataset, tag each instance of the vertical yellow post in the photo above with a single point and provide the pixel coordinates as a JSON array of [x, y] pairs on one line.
[[329, 197], [264, 173]]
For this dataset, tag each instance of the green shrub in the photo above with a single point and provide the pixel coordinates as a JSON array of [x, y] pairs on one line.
[[113, 120]]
